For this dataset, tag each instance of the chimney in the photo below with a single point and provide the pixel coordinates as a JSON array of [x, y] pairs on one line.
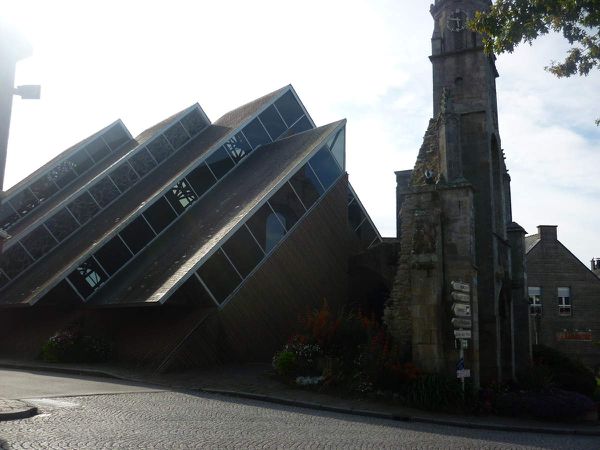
[[595, 265], [547, 232]]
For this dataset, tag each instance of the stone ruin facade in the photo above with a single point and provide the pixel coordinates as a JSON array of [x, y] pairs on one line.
[[455, 223]]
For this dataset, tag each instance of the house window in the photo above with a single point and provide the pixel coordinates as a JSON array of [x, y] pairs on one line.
[[564, 301], [535, 300]]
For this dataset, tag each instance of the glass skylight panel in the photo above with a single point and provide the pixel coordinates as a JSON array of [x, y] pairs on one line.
[[307, 186], [39, 242], [256, 134], [142, 162], [116, 136], [14, 260], [124, 177], [325, 167], [43, 188], [194, 122], [8, 216], [337, 145], [176, 135], [137, 234], [243, 251], [61, 224], [181, 196], [192, 291], [80, 162], [237, 147], [24, 202], [83, 208], [355, 214], [160, 215], [63, 174], [201, 178], [286, 204], [219, 276], [98, 149], [272, 122], [266, 227], [104, 191], [113, 255], [366, 233], [87, 277], [300, 126], [3, 280], [160, 149], [289, 108], [220, 163]]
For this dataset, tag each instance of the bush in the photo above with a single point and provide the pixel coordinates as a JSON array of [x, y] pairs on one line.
[[566, 373], [346, 349], [435, 392], [71, 346], [553, 404], [284, 362]]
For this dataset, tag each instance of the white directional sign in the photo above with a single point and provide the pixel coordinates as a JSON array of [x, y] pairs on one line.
[[462, 334], [461, 287], [461, 323], [461, 310], [463, 373], [460, 297]]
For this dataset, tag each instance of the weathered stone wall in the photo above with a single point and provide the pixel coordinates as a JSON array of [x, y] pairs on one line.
[[551, 265]]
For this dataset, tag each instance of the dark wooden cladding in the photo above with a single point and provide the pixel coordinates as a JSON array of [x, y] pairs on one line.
[[307, 268]]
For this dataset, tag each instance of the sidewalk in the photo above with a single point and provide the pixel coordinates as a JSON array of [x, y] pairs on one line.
[[256, 381]]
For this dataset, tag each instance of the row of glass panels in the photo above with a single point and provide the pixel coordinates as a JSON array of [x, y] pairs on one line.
[[360, 222], [226, 269], [21, 203], [283, 116], [98, 196]]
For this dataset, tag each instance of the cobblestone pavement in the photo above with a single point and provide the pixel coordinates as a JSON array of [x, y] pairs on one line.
[[179, 420]]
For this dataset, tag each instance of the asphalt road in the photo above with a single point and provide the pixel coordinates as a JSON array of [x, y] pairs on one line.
[[134, 416]]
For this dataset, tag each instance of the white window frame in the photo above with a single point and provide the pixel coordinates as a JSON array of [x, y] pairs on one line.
[[564, 301], [535, 300]]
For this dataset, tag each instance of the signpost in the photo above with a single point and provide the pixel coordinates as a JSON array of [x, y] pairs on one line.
[[462, 334], [461, 308]]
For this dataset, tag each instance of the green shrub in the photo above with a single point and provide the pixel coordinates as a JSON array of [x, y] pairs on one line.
[[567, 374], [71, 346], [551, 404], [284, 363], [435, 392], [535, 378]]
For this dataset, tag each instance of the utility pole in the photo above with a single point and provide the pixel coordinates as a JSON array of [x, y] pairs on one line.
[[13, 48]]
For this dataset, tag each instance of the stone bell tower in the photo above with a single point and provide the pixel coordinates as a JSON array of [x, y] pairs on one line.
[[454, 219]]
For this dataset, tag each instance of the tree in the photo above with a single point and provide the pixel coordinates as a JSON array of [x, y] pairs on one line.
[[509, 22]]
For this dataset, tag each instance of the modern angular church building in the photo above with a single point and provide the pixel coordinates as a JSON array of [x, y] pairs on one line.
[[194, 242]]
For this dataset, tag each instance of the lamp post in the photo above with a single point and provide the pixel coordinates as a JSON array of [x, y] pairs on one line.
[[13, 48]]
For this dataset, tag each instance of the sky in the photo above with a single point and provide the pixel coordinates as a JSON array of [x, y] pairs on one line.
[[363, 60]]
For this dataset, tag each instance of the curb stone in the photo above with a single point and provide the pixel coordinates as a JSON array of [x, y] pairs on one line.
[[316, 406], [399, 417]]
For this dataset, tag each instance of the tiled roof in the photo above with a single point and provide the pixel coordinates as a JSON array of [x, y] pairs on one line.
[[165, 261], [531, 241], [246, 111]]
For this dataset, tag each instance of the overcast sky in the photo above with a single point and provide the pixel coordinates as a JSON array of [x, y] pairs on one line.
[[363, 60]]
